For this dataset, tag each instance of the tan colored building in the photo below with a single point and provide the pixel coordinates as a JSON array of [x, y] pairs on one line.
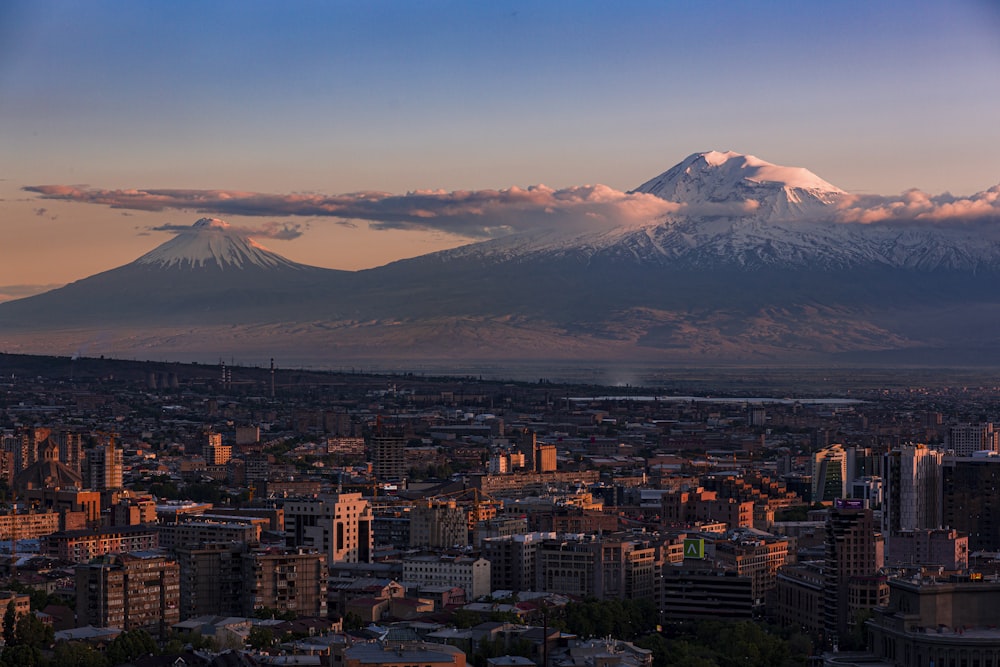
[[129, 591], [339, 525], [67, 501], [216, 453], [28, 526], [198, 532], [133, 511], [21, 601], [466, 572], [79, 546], [755, 556], [684, 508]]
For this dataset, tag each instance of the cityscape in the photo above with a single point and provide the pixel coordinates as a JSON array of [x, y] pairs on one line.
[[511, 334], [261, 515]]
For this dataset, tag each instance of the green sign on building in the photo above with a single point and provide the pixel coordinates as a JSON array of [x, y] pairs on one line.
[[694, 548]]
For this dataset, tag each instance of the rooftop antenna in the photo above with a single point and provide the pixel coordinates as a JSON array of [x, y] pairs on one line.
[[272, 378]]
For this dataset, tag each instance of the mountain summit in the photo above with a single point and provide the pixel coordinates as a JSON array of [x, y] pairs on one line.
[[213, 243], [705, 180]]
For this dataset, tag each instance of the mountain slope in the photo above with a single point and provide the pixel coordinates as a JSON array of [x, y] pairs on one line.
[[207, 273]]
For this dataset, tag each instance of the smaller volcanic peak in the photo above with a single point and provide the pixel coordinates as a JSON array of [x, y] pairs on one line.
[[213, 243], [774, 192]]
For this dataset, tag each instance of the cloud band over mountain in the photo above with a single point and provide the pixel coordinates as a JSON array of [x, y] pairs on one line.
[[488, 213], [479, 213]]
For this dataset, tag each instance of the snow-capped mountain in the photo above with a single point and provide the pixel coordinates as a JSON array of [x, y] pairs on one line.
[[206, 272], [740, 211], [752, 261], [714, 179], [214, 243]]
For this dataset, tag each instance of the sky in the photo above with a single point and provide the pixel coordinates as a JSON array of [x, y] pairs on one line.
[[122, 121]]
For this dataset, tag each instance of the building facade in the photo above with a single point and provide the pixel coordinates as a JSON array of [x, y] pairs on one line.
[[339, 526], [129, 591]]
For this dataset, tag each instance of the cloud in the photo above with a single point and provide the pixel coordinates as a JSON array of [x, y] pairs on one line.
[[489, 213], [283, 231], [915, 206], [475, 213]]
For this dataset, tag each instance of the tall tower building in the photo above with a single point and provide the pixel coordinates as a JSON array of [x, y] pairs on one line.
[[913, 489], [829, 474], [71, 450], [129, 591], [854, 552], [388, 452], [103, 467], [971, 494], [285, 579]]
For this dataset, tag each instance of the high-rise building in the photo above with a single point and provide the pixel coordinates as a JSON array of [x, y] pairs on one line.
[[439, 523], [388, 453], [338, 525], [103, 468], [829, 474], [211, 579], [601, 567], [71, 450], [513, 560], [234, 579], [964, 439], [285, 579], [129, 591], [216, 453], [970, 496], [912, 490], [854, 552]]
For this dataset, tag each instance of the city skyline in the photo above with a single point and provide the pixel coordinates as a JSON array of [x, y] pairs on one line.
[[328, 100]]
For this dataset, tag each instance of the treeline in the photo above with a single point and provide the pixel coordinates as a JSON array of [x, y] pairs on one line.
[[701, 644]]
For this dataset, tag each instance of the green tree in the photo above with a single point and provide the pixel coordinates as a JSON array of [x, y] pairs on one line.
[[9, 623], [261, 638], [130, 645], [77, 654], [21, 655], [32, 631], [353, 621]]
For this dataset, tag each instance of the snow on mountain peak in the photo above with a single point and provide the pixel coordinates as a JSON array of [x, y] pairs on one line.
[[211, 242], [734, 185]]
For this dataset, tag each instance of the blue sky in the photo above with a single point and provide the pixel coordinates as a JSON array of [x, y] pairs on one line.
[[339, 97]]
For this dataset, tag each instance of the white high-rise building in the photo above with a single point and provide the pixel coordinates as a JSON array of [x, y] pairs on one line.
[[964, 439], [913, 489]]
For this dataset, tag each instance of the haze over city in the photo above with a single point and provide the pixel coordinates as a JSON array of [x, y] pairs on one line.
[[270, 116]]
